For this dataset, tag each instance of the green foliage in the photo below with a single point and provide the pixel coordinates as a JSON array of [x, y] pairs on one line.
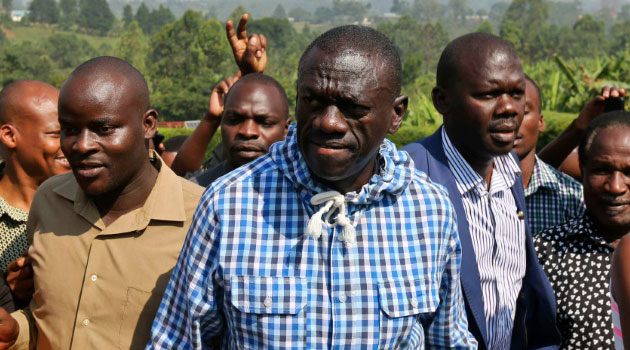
[[143, 17], [7, 6], [43, 11], [485, 27], [300, 14], [170, 132], [353, 9], [408, 134], [96, 16], [555, 124], [24, 61], [237, 13], [68, 50], [133, 47], [279, 12], [69, 12], [127, 14], [279, 32]]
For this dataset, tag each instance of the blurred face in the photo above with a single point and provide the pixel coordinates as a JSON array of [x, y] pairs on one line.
[[344, 110], [103, 132], [606, 179], [254, 118], [37, 132], [532, 124], [486, 104]]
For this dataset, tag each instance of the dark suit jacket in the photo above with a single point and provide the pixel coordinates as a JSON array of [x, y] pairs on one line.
[[534, 322]]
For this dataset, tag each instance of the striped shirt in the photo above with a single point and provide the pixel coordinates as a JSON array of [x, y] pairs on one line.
[[551, 198], [498, 237], [250, 274]]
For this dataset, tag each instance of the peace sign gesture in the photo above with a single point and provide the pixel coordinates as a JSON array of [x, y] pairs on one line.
[[250, 53]]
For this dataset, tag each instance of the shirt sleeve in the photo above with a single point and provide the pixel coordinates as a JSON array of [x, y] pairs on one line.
[[449, 329], [189, 316], [27, 336]]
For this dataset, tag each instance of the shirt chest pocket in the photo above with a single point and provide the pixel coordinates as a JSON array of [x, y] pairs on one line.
[[407, 306], [268, 312]]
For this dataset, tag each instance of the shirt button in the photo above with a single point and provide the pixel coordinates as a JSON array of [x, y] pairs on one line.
[[268, 302], [93, 278], [414, 302], [342, 297], [86, 322]]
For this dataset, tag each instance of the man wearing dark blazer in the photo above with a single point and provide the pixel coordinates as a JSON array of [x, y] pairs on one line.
[[480, 92]]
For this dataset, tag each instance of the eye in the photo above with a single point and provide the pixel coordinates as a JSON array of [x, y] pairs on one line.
[[106, 129], [67, 130]]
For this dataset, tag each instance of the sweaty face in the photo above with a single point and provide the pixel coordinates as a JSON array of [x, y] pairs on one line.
[[254, 118], [38, 149], [343, 111], [486, 104], [606, 178], [532, 124], [102, 132]]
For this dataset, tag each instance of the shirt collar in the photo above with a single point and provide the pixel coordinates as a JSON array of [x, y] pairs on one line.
[[165, 202], [542, 176], [16, 214], [467, 178], [394, 171], [588, 229]]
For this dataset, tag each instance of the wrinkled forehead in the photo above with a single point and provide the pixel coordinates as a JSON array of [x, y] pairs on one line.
[[344, 70]]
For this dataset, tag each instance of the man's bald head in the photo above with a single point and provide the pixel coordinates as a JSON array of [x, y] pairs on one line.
[[271, 85], [22, 98], [473, 47], [106, 80]]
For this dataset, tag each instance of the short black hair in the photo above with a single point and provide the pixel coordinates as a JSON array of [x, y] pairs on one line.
[[538, 92], [360, 38], [607, 120], [173, 144], [263, 79], [466, 47]]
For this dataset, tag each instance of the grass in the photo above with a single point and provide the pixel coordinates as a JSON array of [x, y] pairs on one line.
[[40, 32]]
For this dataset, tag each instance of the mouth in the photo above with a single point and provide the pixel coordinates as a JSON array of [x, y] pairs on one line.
[[518, 140], [505, 133], [88, 169], [330, 148], [62, 161], [248, 151]]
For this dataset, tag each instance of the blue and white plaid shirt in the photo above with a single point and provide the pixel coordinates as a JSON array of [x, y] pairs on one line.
[[250, 274], [552, 198]]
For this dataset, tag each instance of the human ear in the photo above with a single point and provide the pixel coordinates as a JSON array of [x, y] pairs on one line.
[[400, 108], [541, 124], [8, 136], [286, 126], [440, 99], [149, 122]]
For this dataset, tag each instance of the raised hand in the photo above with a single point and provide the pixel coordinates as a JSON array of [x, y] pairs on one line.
[[217, 98], [250, 53], [595, 107], [20, 277], [9, 330]]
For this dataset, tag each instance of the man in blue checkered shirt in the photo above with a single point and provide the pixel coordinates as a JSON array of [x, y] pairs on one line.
[[551, 197], [331, 241]]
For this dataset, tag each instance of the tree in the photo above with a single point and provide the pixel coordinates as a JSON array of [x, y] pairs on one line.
[[279, 12], [588, 37], [323, 14], [458, 9], [485, 27], [237, 13], [96, 16], [279, 32], [188, 57], [68, 50], [143, 17], [133, 47], [69, 11], [212, 13], [43, 11], [299, 14], [400, 6], [127, 14], [524, 25], [7, 6], [351, 8], [160, 17]]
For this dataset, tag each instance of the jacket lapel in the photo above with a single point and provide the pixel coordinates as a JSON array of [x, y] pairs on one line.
[[438, 171]]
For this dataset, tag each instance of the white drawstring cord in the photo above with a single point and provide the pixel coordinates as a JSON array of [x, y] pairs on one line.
[[334, 200]]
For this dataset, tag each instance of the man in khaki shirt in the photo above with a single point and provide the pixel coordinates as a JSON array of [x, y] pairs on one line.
[[105, 238]]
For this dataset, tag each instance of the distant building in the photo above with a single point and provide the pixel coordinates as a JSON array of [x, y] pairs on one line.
[[18, 15]]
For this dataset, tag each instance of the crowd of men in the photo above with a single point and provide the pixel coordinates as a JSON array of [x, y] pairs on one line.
[[317, 234]]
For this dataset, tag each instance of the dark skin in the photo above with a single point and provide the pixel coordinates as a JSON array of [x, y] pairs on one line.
[[255, 117], [606, 180], [105, 128], [346, 105], [483, 106], [527, 137], [620, 285]]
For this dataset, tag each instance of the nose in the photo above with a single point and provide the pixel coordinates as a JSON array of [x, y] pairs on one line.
[[617, 183], [507, 106], [331, 121], [248, 129], [85, 142]]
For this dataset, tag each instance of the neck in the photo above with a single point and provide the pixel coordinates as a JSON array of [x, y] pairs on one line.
[[481, 164], [354, 182], [610, 234], [17, 187], [527, 166], [131, 196]]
